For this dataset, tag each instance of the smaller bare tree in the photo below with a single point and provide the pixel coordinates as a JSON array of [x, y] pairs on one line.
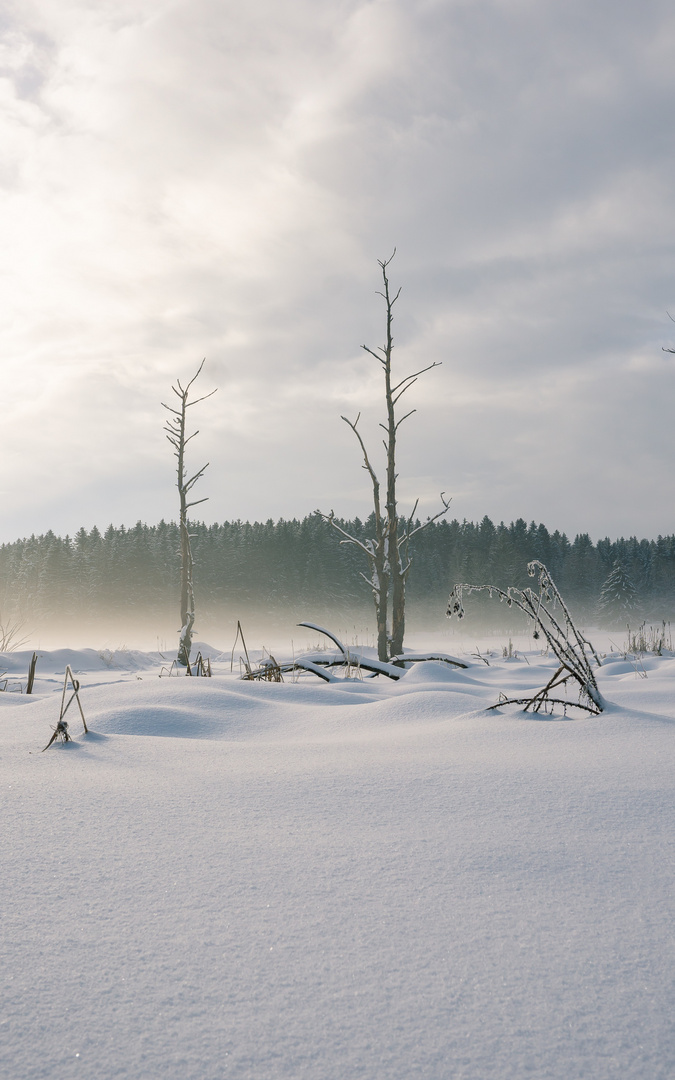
[[175, 429]]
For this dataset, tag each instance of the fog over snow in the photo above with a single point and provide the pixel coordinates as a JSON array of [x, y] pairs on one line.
[[181, 180]]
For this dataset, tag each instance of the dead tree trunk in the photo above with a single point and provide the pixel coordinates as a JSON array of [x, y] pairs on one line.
[[398, 582], [388, 551], [376, 551], [175, 429]]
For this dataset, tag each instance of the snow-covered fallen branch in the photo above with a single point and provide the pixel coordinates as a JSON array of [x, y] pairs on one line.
[[349, 658]]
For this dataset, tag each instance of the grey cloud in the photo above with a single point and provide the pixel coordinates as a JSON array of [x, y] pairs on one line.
[[207, 179]]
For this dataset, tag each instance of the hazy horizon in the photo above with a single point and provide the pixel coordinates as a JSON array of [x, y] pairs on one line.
[[263, 519]]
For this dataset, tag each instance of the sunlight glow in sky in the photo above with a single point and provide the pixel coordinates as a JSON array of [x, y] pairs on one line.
[[185, 180]]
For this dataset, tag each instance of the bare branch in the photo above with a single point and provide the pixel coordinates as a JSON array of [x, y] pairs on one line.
[[382, 360], [435, 517], [410, 380], [366, 459], [348, 539], [188, 404], [384, 263], [409, 532], [399, 422], [400, 394], [195, 376], [416, 375], [390, 300], [197, 476]]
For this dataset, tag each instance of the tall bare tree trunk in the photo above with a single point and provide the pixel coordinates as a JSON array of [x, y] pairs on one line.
[[175, 429], [395, 645], [187, 595], [388, 553], [380, 580]]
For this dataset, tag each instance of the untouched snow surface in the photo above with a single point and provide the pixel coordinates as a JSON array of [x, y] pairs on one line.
[[314, 882]]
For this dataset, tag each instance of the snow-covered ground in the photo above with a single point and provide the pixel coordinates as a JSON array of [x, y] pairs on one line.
[[314, 882]]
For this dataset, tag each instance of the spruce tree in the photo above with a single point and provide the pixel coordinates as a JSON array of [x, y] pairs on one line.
[[618, 597]]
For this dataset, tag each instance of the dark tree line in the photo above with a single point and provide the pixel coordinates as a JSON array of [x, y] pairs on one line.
[[296, 568]]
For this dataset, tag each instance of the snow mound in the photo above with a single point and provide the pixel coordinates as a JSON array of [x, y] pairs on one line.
[[303, 881], [435, 671]]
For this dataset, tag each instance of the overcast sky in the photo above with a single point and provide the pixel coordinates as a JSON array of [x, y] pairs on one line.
[[196, 179]]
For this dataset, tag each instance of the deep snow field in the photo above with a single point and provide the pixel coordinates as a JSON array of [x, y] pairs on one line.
[[310, 881]]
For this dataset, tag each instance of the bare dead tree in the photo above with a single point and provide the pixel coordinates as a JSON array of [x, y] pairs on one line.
[[552, 621], [175, 429], [388, 552]]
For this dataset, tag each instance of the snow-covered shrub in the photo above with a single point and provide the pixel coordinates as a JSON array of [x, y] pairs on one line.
[[552, 621]]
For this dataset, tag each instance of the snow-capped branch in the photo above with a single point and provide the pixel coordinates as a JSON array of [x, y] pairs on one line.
[[348, 538]]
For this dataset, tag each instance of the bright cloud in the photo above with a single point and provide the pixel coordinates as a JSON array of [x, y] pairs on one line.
[[186, 180]]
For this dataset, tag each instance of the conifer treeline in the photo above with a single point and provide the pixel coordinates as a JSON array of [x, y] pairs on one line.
[[299, 567]]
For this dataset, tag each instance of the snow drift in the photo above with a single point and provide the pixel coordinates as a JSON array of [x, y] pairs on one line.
[[311, 881]]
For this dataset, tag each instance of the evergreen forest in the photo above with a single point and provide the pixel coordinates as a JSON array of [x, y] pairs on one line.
[[278, 572]]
